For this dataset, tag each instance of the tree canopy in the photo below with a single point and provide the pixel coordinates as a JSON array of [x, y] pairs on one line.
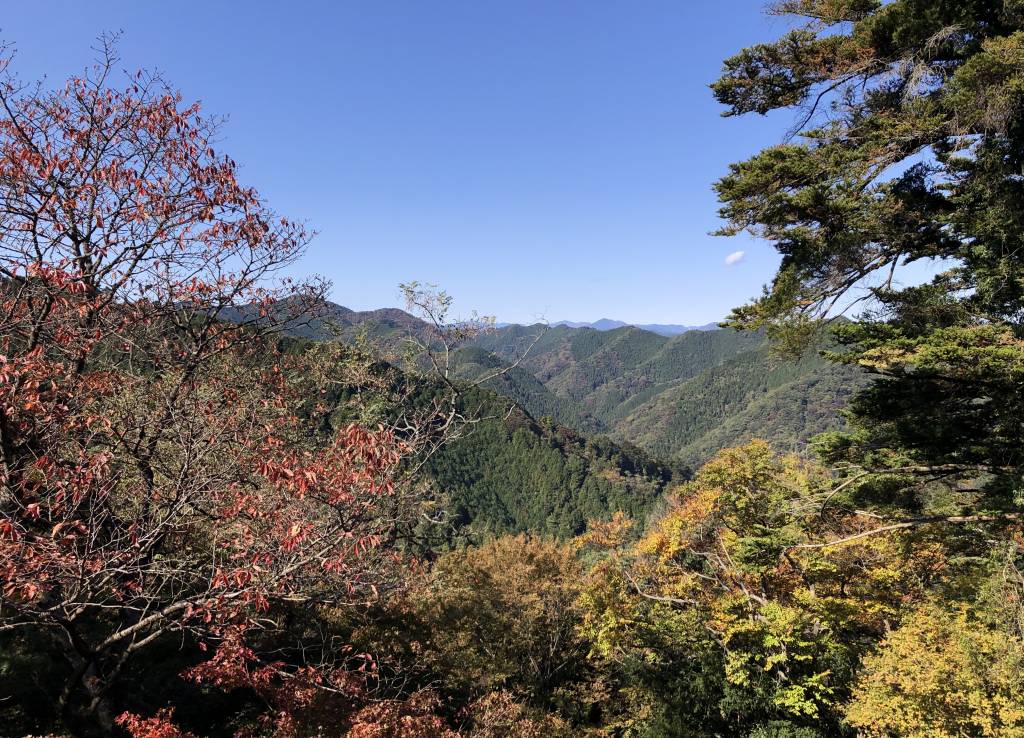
[[907, 148]]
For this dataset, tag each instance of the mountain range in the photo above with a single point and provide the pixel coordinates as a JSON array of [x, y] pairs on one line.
[[604, 419], [608, 324], [680, 397]]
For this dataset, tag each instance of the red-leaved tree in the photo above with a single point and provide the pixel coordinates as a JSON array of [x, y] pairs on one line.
[[154, 478]]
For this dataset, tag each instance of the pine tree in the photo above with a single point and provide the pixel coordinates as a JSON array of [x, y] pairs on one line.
[[909, 146]]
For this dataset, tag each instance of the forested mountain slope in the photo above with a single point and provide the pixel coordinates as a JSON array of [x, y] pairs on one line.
[[516, 383], [749, 396], [604, 369], [680, 397], [330, 321], [514, 475], [504, 471]]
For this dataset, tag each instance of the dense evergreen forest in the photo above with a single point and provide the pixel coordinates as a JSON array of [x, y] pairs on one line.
[[229, 507]]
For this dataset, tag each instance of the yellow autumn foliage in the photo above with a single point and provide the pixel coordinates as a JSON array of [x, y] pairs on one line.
[[942, 674]]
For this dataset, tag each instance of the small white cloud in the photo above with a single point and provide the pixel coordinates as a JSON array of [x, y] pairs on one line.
[[734, 258]]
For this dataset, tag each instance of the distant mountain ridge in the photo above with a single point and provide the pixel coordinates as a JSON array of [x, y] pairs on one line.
[[339, 318], [662, 329]]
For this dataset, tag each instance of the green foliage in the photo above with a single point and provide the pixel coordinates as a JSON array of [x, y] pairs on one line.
[[682, 398], [918, 158], [517, 475], [950, 395], [763, 604], [782, 729]]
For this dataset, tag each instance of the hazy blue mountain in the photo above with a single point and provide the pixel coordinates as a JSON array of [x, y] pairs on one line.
[[669, 329], [662, 329]]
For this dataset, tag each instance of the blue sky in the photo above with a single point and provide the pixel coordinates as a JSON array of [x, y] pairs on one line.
[[536, 158]]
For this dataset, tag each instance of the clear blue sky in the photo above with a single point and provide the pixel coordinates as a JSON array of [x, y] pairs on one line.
[[536, 158]]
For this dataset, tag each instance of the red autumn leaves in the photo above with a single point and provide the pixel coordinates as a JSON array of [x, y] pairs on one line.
[[155, 479]]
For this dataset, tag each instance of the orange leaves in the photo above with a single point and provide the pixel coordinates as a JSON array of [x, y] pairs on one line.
[[236, 666], [609, 534], [159, 726], [29, 591], [129, 174], [359, 461], [296, 533], [8, 531], [411, 718]]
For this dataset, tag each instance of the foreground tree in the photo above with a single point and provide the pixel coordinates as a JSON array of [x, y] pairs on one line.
[[756, 605], [908, 148], [154, 476], [942, 674]]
